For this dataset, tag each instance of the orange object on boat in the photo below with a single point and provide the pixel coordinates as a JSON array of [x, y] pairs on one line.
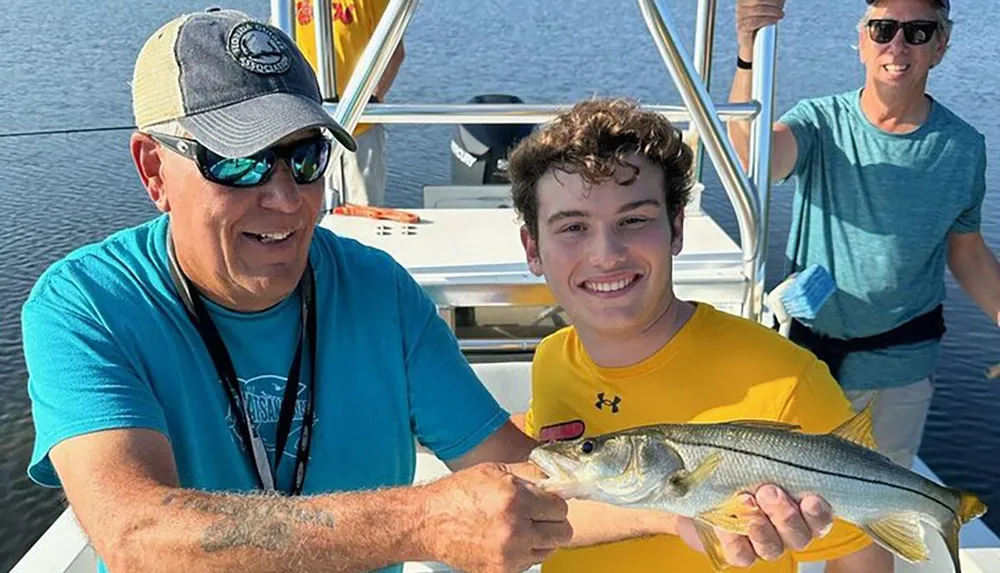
[[377, 213]]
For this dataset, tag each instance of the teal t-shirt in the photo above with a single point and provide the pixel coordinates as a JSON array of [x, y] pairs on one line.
[[875, 209], [108, 345]]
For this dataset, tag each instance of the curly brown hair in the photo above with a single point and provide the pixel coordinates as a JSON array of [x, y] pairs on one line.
[[593, 139]]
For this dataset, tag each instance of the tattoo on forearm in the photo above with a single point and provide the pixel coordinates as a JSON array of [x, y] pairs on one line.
[[260, 521]]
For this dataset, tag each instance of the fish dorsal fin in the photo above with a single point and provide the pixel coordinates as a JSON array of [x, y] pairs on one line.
[[858, 429], [711, 543], [767, 425], [902, 534]]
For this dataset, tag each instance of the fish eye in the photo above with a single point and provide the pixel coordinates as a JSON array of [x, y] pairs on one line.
[[587, 446]]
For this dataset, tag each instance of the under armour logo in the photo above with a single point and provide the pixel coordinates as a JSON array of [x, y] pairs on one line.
[[602, 402]]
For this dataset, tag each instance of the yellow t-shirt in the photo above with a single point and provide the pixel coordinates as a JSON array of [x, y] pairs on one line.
[[718, 367], [354, 22]]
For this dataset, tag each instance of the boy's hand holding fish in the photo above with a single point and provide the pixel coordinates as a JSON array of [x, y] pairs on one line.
[[780, 525]]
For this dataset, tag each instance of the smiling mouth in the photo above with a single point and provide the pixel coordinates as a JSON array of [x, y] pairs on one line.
[[608, 287], [270, 238], [896, 68]]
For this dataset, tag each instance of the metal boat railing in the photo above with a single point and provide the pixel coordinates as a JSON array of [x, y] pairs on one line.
[[704, 39], [724, 157], [435, 113], [749, 194]]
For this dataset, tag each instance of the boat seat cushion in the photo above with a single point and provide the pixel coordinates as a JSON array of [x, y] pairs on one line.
[[508, 382]]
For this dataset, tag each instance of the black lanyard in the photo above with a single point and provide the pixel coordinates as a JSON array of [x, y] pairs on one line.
[[199, 315]]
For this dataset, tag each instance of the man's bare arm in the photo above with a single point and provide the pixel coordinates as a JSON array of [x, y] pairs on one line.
[[506, 445], [752, 15], [976, 270], [595, 523], [123, 487]]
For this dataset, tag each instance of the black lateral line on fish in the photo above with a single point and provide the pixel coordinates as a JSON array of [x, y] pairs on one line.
[[811, 469]]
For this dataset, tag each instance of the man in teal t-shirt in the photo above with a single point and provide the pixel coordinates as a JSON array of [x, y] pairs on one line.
[[180, 369], [889, 189]]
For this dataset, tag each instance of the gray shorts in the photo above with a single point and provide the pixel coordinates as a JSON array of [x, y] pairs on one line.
[[898, 417]]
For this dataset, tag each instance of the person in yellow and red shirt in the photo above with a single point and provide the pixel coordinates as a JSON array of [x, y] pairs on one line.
[[602, 191], [360, 176]]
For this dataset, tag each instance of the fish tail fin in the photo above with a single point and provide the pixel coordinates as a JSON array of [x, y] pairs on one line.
[[900, 533], [969, 507], [950, 534]]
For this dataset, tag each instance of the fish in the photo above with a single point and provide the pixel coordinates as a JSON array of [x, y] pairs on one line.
[[700, 470]]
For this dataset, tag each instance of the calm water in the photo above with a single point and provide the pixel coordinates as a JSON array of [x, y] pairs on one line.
[[68, 64]]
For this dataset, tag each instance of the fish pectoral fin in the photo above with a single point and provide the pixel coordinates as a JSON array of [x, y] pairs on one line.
[[858, 429], [731, 516], [767, 425], [713, 547], [902, 534], [683, 481]]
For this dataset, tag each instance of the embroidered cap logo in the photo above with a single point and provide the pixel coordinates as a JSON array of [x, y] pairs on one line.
[[259, 49]]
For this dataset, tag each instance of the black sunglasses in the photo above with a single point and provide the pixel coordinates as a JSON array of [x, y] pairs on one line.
[[307, 160], [916, 32]]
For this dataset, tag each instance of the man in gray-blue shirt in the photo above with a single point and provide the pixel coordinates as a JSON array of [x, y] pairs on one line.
[[889, 188]]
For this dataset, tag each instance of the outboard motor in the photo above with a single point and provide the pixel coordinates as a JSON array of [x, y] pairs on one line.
[[479, 152]]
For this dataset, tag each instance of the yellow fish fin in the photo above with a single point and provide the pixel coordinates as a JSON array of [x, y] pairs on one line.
[[730, 516], [858, 429], [713, 547], [902, 534], [767, 425], [969, 507], [683, 481]]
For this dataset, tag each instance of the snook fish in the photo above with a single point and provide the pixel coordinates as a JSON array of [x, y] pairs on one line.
[[699, 470]]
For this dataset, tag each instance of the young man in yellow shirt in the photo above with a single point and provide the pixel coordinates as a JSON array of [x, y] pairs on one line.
[[361, 176], [602, 191]]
